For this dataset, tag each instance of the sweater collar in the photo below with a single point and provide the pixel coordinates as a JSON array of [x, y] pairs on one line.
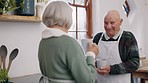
[[115, 37], [52, 32]]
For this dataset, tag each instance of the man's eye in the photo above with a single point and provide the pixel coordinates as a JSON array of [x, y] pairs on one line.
[[112, 22], [105, 23]]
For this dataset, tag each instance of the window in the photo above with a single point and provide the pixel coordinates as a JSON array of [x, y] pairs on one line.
[[82, 18], [81, 27], [78, 29]]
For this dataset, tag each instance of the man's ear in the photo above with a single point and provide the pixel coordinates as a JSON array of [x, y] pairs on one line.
[[121, 20]]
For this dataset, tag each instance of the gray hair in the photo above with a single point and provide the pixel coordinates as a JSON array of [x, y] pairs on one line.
[[57, 13]]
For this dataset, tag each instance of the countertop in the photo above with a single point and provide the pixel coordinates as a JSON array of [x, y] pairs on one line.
[[144, 67], [142, 72], [33, 78]]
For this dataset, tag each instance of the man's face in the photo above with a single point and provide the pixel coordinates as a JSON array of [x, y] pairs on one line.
[[112, 24]]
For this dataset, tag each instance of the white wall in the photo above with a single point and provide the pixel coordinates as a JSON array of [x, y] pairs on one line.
[[25, 37], [136, 23], [145, 30], [102, 6]]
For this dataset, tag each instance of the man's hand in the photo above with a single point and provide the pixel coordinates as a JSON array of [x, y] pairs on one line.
[[104, 70]]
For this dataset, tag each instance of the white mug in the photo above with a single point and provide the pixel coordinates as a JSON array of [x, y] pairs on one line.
[[101, 62]]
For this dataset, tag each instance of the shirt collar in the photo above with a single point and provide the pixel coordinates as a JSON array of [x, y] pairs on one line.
[[52, 32], [115, 37]]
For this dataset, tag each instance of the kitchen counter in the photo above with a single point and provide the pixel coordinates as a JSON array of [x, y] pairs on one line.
[[142, 73]]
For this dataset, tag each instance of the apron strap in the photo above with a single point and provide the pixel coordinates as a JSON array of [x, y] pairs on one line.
[[45, 79]]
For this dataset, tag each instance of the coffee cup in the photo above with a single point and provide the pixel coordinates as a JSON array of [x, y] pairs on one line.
[[85, 44], [101, 63]]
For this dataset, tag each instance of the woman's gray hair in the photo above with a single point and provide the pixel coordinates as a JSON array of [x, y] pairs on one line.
[[57, 13]]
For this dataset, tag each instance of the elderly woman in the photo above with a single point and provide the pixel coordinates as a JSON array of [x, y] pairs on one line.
[[61, 58]]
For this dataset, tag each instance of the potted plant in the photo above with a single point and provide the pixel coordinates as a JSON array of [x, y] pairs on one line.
[[7, 6], [1, 6], [40, 6], [4, 76], [41, 1]]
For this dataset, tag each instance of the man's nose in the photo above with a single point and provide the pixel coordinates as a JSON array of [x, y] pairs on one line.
[[108, 25]]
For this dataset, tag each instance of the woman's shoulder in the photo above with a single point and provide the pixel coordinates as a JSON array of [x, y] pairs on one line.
[[70, 40]]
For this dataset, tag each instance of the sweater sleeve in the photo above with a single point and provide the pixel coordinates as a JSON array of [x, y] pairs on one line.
[[83, 69], [129, 54]]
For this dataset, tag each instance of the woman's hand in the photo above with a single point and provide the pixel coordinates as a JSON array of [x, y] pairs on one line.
[[93, 48]]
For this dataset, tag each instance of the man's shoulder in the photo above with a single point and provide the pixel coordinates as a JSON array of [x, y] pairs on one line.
[[98, 34], [127, 35], [97, 37]]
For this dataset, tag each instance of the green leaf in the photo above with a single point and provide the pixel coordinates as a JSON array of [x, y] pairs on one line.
[[9, 5], [3, 74]]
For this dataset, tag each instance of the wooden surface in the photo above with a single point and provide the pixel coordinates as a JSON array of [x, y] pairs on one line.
[[144, 67], [142, 72], [17, 18]]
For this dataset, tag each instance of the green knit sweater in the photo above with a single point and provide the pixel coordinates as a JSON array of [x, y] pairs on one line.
[[63, 58]]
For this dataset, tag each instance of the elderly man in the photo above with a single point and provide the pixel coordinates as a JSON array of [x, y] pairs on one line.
[[119, 48]]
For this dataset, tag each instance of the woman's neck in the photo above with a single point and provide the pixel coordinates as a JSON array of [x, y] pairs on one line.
[[59, 27]]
